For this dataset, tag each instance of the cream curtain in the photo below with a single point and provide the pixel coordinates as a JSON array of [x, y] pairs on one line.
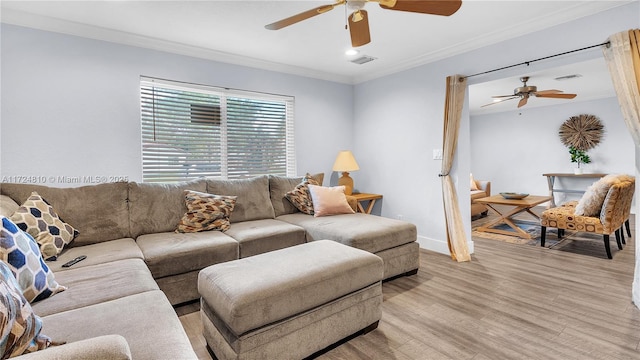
[[623, 60], [456, 236]]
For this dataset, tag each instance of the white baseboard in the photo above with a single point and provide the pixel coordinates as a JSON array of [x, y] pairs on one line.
[[439, 245]]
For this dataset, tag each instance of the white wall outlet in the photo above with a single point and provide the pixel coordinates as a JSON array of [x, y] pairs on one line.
[[437, 154], [400, 217]]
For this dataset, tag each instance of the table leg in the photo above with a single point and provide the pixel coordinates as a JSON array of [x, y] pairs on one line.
[[551, 183], [370, 207], [506, 219], [361, 209]]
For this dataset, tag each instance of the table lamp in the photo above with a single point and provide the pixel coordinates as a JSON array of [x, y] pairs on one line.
[[345, 162]]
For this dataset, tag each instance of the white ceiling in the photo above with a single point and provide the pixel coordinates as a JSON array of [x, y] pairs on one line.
[[233, 31]]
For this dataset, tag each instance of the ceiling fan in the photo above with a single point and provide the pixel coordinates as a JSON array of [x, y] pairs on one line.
[[359, 18], [524, 92]]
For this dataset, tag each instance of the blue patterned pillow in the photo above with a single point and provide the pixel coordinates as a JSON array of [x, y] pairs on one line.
[[21, 253], [20, 326]]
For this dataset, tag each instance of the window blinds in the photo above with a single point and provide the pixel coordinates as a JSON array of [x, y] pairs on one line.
[[190, 131]]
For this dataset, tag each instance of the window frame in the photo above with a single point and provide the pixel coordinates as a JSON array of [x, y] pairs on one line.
[[223, 94]]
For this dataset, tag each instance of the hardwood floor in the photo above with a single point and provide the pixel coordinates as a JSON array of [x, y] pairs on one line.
[[510, 302]]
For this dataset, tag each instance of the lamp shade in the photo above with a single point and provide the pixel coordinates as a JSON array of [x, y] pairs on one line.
[[345, 162]]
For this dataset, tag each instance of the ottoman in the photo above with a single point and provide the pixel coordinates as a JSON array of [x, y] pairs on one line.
[[289, 303]]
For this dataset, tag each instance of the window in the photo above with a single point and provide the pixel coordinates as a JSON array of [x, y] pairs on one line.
[[190, 131]]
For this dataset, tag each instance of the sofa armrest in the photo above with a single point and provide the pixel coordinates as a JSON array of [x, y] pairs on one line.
[[484, 186], [108, 347]]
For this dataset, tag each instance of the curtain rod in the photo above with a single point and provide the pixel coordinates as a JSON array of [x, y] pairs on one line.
[[607, 43]]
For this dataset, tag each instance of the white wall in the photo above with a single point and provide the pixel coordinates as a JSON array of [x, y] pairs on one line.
[[71, 106], [513, 149], [398, 118]]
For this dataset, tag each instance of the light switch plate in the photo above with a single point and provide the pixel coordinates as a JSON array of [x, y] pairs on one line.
[[437, 154]]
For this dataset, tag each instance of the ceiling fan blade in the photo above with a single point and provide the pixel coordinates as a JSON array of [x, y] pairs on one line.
[[502, 96], [556, 96], [437, 7], [544, 92], [499, 101], [303, 16], [523, 101], [359, 28]]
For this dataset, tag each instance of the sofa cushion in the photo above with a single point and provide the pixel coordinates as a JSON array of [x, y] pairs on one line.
[[99, 253], [171, 253], [21, 253], [107, 347], [206, 212], [20, 326], [146, 320], [158, 207], [7, 206], [367, 232], [40, 220], [99, 212], [329, 201], [94, 284], [253, 202], [477, 194], [260, 236], [279, 186]]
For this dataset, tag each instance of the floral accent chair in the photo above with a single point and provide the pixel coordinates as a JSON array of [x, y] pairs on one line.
[[603, 209]]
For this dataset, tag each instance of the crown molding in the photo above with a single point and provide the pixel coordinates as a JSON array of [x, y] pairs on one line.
[[45, 23]]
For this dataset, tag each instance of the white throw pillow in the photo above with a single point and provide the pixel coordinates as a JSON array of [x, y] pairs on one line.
[[591, 202], [329, 200], [473, 184]]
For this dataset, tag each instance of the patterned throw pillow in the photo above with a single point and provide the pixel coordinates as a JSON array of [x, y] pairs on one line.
[[21, 253], [38, 218], [20, 327], [206, 212], [300, 197]]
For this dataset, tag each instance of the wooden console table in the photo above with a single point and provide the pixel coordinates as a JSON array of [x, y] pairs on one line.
[[551, 179], [371, 198]]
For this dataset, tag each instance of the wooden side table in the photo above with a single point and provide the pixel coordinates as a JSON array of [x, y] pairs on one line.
[[363, 197]]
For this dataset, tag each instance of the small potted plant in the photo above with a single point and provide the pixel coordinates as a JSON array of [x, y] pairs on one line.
[[580, 157]]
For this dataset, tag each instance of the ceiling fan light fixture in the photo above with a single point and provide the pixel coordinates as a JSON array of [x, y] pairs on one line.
[[357, 16], [387, 3], [356, 4], [351, 52]]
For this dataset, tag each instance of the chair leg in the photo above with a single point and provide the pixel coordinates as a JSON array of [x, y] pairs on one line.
[[626, 224], [543, 235], [622, 235], [606, 246], [618, 239]]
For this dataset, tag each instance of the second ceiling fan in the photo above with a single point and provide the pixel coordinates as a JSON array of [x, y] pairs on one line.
[[359, 18], [526, 91]]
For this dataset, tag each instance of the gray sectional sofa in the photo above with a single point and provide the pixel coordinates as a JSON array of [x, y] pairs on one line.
[[137, 266]]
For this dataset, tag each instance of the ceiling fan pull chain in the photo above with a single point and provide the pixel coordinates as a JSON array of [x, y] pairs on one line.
[[346, 19]]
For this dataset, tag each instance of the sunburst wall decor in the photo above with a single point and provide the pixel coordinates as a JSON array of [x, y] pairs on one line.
[[582, 131]]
